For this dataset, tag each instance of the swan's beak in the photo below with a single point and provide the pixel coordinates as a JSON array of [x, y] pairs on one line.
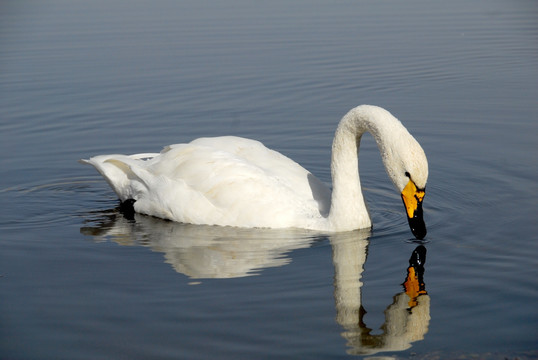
[[412, 198]]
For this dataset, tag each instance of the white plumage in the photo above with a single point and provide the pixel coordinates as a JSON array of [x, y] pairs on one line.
[[233, 181]]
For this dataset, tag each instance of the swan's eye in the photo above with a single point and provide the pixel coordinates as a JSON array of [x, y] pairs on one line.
[[408, 175]]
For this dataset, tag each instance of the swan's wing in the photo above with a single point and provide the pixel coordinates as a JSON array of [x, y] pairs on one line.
[[235, 181], [273, 164], [222, 181]]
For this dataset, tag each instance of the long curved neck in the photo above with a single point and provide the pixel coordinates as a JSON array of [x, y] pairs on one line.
[[348, 208]]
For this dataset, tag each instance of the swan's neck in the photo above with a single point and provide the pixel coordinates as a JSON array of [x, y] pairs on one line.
[[348, 208]]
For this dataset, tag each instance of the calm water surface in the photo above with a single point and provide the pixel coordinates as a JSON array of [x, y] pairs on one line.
[[79, 280]]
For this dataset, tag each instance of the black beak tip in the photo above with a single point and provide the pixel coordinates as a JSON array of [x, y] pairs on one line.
[[418, 227]]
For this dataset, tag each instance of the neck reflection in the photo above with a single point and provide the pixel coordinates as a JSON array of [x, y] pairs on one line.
[[406, 318]]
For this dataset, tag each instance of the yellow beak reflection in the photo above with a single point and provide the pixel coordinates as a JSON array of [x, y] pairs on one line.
[[412, 198]]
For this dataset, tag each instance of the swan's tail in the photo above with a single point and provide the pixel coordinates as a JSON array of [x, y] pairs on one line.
[[124, 174]]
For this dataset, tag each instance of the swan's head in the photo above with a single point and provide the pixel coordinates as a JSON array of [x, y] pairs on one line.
[[407, 167]]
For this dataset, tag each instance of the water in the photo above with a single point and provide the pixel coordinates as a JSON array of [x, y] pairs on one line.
[[78, 280]]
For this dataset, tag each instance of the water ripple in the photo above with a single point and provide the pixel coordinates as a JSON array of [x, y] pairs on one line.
[[45, 203]]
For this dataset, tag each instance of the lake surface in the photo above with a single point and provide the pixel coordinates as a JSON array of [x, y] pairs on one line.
[[78, 280]]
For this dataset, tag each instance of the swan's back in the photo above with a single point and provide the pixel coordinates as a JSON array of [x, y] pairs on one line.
[[219, 181]]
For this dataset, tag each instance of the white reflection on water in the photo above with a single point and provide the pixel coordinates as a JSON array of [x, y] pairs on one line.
[[406, 319], [202, 252]]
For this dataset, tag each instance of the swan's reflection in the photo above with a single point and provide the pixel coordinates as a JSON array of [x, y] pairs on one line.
[[224, 252], [203, 252], [406, 319]]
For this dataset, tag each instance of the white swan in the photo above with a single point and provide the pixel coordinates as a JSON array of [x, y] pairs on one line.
[[233, 181]]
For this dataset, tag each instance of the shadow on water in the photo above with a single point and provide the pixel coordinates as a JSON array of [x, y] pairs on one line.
[[202, 252]]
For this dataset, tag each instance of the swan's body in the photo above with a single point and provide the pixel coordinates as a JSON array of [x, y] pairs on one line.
[[233, 181]]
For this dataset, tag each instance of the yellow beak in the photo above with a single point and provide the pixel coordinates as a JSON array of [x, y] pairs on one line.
[[412, 198]]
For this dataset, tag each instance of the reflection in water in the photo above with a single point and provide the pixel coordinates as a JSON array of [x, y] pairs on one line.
[[225, 252], [406, 319], [203, 252]]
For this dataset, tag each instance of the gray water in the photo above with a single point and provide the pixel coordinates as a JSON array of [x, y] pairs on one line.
[[78, 280]]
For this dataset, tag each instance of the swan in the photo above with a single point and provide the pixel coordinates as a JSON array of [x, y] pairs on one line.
[[233, 181]]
